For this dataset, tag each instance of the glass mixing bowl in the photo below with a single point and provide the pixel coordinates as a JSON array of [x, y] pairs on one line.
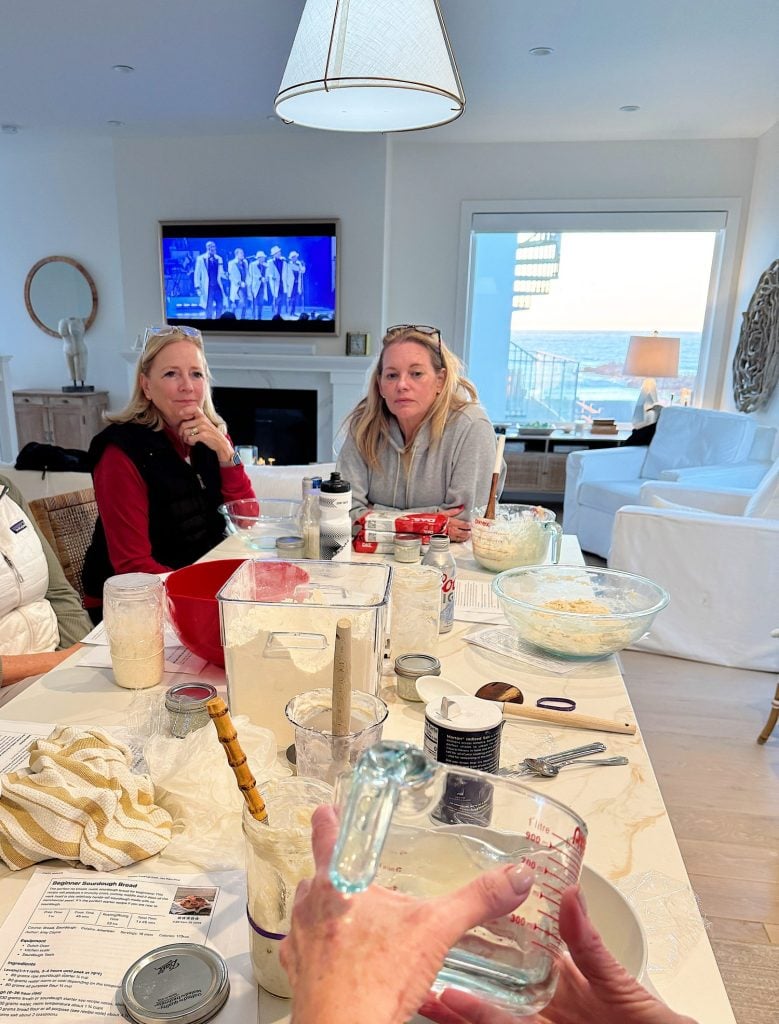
[[578, 611], [259, 521]]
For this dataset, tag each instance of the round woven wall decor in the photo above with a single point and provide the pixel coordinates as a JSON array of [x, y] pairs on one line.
[[756, 362]]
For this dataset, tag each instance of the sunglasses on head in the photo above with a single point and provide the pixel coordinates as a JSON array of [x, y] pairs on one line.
[[432, 332], [165, 330]]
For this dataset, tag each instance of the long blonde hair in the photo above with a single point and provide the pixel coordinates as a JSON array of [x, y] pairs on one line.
[[369, 422], [142, 410]]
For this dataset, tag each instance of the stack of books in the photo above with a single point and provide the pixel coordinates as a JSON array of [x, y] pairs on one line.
[[604, 426]]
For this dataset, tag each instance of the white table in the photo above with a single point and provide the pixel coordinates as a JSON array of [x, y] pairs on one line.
[[629, 830]]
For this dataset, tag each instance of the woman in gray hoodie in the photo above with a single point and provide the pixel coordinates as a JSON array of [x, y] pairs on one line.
[[419, 441]]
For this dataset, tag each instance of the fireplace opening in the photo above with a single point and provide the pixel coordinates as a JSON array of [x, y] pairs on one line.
[[281, 423]]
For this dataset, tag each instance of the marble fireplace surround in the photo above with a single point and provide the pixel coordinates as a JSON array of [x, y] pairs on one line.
[[339, 381]]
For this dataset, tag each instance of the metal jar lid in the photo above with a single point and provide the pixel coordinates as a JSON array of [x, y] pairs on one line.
[[182, 983], [289, 543], [408, 540], [412, 666], [190, 696]]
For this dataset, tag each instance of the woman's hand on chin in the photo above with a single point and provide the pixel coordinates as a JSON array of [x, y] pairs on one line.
[[197, 428]]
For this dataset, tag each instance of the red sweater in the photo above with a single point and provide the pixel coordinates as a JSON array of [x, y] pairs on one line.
[[122, 499]]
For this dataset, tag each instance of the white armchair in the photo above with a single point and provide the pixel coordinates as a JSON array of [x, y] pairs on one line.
[[699, 447], [720, 564]]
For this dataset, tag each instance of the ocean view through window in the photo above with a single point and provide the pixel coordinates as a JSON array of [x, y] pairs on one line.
[[552, 313]]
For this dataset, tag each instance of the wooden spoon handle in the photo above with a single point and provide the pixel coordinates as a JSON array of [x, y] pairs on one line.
[[571, 718], [228, 737], [342, 678]]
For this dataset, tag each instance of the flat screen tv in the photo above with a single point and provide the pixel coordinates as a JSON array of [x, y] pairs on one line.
[[249, 277]]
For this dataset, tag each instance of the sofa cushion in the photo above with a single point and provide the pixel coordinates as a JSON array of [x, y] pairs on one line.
[[697, 437], [610, 495], [764, 503]]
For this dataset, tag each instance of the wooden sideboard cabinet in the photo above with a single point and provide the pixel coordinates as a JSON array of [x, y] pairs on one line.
[[55, 417], [535, 465]]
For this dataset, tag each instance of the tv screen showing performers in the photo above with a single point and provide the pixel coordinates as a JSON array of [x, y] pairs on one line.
[[270, 278]]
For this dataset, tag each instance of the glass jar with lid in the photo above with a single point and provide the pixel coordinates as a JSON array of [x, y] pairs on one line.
[[133, 618], [290, 547], [409, 667], [407, 547]]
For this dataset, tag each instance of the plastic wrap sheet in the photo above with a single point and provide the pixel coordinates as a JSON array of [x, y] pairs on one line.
[[670, 915]]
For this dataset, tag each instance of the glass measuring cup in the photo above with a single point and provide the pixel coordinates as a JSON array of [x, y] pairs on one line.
[[426, 829]]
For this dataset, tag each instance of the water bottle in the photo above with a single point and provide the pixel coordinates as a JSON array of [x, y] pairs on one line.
[[335, 523], [442, 558], [309, 522]]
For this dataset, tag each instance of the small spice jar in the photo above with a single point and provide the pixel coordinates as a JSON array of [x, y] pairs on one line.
[[186, 706], [290, 547], [409, 667], [407, 547]]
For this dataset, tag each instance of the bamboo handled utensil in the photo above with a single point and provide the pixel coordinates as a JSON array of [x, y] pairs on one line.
[[342, 691], [490, 512], [228, 737]]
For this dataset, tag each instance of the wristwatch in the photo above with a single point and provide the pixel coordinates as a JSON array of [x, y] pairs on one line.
[[235, 460]]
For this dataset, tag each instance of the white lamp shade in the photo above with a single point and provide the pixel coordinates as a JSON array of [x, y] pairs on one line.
[[649, 355], [370, 66]]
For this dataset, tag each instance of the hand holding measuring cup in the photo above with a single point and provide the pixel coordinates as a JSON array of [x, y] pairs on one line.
[[427, 829], [374, 955]]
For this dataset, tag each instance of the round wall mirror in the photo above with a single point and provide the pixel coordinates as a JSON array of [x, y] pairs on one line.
[[56, 287]]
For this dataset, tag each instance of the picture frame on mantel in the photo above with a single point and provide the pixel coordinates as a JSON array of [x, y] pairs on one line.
[[357, 344]]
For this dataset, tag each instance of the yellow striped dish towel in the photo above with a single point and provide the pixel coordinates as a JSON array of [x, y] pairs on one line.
[[79, 801]]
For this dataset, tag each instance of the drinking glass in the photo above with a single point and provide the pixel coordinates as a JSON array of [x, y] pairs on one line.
[[319, 754], [415, 609]]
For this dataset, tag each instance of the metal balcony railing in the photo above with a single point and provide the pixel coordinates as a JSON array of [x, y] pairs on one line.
[[540, 386]]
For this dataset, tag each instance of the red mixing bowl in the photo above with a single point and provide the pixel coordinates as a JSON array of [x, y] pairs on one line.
[[193, 607]]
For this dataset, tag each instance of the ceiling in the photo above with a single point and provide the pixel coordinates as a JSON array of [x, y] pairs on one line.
[[696, 68]]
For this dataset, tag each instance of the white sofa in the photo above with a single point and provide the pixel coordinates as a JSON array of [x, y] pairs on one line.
[[718, 560], [700, 447], [268, 481]]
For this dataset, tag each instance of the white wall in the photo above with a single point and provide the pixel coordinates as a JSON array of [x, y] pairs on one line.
[[295, 175], [59, 198], [398, 201], [430, 181], [761, 247]]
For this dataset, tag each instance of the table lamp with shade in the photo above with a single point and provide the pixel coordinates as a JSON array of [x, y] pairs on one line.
[[650, 356]]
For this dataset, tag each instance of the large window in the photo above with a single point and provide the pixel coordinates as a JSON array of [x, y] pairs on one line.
[[555, 298]]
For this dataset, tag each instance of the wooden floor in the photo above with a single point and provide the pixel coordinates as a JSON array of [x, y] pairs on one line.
[[700, 724]]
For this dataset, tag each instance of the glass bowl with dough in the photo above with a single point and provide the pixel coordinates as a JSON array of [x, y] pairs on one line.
[[578, 611]]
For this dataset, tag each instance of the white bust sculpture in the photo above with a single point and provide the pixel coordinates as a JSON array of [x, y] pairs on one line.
[[71, 330]]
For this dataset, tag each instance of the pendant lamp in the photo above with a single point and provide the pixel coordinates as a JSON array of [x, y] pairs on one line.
[[370, 66]]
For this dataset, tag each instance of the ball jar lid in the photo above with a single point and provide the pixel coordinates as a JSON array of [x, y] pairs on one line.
[[190, 696], [181, 983], [412, 666]]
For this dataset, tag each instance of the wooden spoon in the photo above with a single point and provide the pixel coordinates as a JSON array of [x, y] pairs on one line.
[[511, 698], [342, 692], [490, 511]]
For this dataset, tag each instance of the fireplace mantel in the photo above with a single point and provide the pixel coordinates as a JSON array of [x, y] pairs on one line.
[[338, 380]]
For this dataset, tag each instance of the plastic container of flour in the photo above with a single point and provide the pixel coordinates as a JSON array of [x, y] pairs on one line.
[[280, 642]]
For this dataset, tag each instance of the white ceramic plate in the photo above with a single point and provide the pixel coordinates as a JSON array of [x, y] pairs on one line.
[[616, 921]]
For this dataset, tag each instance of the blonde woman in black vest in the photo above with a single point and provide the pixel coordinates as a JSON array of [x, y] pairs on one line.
[[161, 468]]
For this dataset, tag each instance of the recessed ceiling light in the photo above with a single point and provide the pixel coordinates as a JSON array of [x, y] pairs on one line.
[[541, 51], [115, 124], [9, 129], [630, 108], [123, 69]]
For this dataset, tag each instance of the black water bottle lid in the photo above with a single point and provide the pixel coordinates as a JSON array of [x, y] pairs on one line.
[[335, 485]]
